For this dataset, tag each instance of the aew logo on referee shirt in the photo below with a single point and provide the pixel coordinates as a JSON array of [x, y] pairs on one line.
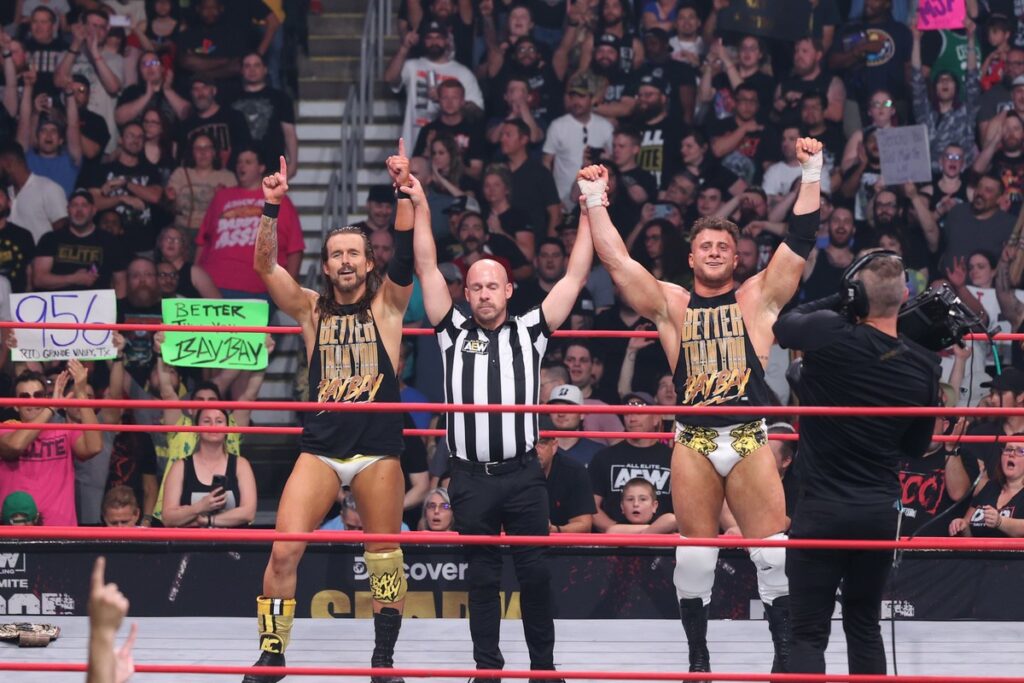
[[477, 346]]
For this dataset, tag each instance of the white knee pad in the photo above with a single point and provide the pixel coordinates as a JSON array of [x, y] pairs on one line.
[[694, 576], [771, 570]]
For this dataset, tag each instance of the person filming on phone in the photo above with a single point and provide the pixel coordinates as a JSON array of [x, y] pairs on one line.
[[211, 488]]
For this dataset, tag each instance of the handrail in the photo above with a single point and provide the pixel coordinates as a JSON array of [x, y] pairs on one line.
[[343, 187]]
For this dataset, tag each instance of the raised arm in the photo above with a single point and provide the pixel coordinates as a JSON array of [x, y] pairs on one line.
[[557, 305], [397, 285], [91, 442], [437, 300], [283, 288], [638, 287], [782, 276]]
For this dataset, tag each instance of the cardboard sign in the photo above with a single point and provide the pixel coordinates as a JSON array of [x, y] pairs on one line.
[[90, 306], [933, 15], [236, 350], [904, 154]]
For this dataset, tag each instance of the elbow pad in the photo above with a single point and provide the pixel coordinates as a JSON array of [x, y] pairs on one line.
[[400, 268], [802, 233]]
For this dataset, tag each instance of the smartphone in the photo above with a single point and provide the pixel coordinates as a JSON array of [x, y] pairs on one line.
[[120, 21], [662, 210], [218, 481]]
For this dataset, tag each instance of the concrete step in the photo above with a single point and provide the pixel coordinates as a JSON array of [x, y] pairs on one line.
[[325, 89], [339, 22], [334, 44], [329, 67], [334, 109], [311, 176], [331, 132]]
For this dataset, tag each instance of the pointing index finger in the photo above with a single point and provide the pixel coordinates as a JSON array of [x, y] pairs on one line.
[[98, 570], [401, 147], [284, 167]]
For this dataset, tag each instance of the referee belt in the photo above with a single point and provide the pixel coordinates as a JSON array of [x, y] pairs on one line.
[[495, 468]]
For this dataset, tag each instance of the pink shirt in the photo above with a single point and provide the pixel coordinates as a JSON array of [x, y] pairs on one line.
[[228, 237], [46, 471]]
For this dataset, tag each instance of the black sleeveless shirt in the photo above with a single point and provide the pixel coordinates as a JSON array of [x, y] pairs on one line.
[[717, 363], [193, 490], [349, 364]]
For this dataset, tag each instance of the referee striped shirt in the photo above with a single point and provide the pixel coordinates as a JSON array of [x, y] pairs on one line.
[[492, 367]]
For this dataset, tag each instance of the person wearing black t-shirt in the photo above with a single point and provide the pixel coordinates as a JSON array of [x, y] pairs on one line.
[[227, 127], [81, 257], [551, 260], [451, 122], [616, 82], [211, 48], [44, 48], [17, 248], [743, 143], [659, 136], [131, 186], [269, 112], [152, 91], [932, 483], [570, 503], [477, 243], [807, 77], [848, 468], [94, 131], [533, 186], [997, 510], [680, 76], [813, 124]]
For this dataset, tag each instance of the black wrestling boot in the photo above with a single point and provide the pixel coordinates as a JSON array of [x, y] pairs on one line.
[[386, 625], [778, 624], [266, 659], [694, 615]]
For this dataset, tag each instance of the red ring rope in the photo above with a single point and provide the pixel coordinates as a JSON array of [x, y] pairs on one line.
[[364, 672], [51, 533], [382, 407], [408, 331]]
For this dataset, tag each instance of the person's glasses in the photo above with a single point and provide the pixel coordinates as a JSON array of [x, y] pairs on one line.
[[652, 237], [1015, 452], [953, 157], [151, 62], [525, 49], [167, 276], [882, 104], [172, 238], [34, 394], [439, 506], [634, 402]]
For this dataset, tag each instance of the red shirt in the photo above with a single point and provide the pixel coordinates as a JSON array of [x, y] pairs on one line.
[[228, 237]]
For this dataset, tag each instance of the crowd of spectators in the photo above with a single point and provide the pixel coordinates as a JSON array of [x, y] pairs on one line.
[[132, 155]]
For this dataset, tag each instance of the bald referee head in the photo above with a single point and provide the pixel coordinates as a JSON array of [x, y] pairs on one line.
[[488, 291]]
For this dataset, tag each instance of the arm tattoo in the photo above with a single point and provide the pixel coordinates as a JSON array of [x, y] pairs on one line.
[[266, 245]]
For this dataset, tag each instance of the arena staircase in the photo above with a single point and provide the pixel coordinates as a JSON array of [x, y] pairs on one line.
[[347, 124]]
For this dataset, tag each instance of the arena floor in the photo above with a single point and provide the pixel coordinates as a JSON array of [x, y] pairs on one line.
[[927, 648]]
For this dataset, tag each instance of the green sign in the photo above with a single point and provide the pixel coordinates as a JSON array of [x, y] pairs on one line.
[[236, 350]]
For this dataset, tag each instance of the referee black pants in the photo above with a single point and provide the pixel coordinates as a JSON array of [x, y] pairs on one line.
[[516, 501], [814, 576]]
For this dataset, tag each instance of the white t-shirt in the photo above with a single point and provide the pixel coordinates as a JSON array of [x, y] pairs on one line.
[[419, 109], [100, 101], [39, 204], [779, 178], [135, 10], [565, 141]]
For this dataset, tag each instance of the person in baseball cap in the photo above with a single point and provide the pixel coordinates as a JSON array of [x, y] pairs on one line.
[[20, 509], [579, 449]]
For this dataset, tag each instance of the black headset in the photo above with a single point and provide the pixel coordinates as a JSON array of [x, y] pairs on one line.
[[855, 297]]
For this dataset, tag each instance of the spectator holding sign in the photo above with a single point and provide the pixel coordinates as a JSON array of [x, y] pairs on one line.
[[80, 257], [41, 461]]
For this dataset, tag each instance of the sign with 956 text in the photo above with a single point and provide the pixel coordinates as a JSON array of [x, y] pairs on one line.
[[90, 306]]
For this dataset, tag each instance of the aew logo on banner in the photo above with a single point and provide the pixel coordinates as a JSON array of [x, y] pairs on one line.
[[12, 563]]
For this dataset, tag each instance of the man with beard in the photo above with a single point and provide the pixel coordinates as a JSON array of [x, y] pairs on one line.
[[808, 77], [747, 253], [528, 64], [269, 112], [452, 122], [680, 76], [618, 100], [723, 458], [813, 124], [1003, 155], [859, 180], [744, 144], [226, 240], [380, 209], [131, 186], [615, 20], [459, 22], [659, 137], [576, 138], [920, 238], [550, 264], [420, 77], [140, 305], [80, 257], [227, 127], [154, 91], [17, 248], [352, 330], [980, 224], [480, 244], [824, 269]]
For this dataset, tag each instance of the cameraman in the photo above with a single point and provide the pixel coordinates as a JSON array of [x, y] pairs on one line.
[[848, 466]]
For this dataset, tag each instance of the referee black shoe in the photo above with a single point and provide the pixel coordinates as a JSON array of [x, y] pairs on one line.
[[266, 659]]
